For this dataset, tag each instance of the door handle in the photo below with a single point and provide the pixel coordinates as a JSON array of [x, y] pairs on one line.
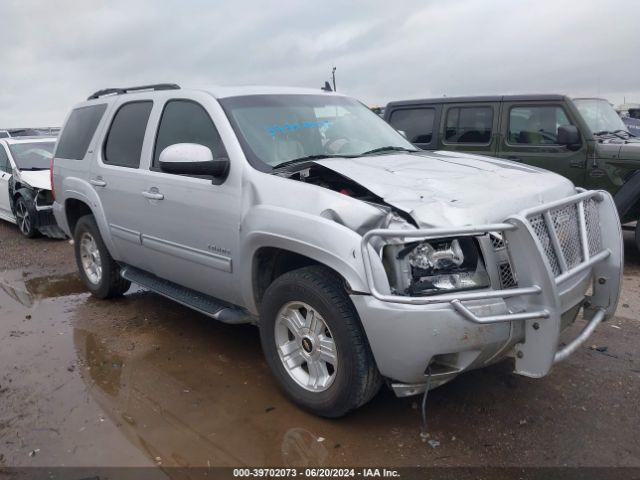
[[98, 182], [153, 195], [514, 159]]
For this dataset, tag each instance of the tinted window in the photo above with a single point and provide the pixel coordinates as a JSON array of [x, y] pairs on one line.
[[125, 137], [4, 134], [4, 160], [469, 125], [184, 121], [79, 131], [536, 125], [416, 123]]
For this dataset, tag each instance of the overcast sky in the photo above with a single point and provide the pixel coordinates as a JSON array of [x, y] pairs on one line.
[[56, 53]]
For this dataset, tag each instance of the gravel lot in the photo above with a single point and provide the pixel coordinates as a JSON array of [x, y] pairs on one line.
[[144, 381]]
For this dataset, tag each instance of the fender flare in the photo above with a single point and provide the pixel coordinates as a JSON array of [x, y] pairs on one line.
[[337, 247], [78, 189], [629, 195]]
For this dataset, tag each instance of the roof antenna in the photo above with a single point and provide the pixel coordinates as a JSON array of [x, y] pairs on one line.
[[327, 87]]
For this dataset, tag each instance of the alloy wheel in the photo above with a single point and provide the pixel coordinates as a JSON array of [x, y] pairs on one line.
[[306, 346]]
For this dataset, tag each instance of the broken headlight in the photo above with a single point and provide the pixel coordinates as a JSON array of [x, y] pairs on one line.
[[442, 265]]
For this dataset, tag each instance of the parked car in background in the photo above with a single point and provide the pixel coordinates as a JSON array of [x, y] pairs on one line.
[[583, 139], [25, 185], [29, 132], [361, 258]]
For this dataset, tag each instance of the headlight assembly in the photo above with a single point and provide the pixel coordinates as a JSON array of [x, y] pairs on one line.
[[438, 266]]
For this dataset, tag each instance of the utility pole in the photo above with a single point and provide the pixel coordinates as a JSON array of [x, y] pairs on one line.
[[333, 77]]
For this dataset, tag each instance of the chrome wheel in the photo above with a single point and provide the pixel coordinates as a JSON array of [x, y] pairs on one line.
[[23, 220], [90, 258], [306, 346]]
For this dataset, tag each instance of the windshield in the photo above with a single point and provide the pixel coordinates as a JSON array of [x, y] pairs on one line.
[[599, 115], [275, 129], [32, 156]]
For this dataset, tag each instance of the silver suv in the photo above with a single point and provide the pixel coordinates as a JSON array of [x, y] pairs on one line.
[[361, 259]]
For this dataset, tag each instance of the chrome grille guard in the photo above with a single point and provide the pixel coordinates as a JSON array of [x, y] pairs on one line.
[[542, 271]]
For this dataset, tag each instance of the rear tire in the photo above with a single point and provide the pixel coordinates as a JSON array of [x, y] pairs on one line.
[[638, 234], [98, 270], [25, 217], [334, 371]]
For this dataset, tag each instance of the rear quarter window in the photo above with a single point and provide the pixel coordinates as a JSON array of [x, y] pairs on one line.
[[78, 131]]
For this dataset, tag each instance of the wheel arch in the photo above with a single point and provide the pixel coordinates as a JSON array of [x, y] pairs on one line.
[[274, 249], [269, 263], [77, 203]]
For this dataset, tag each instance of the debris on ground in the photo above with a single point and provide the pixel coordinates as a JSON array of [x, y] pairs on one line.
[[433, 443]]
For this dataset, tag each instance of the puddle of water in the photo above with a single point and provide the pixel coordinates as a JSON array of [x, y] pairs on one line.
[[27, 291], [48, 416]]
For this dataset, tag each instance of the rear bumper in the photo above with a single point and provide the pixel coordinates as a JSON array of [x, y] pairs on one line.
[[457, 332]]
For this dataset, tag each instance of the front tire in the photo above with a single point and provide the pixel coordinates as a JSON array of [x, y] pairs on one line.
[[638, 234], [98, 270], [314, 343], [25, 218]]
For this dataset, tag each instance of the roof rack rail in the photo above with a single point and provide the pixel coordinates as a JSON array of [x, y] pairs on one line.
[[122, 91]]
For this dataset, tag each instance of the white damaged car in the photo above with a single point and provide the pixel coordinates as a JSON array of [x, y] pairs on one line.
[[25, 185]]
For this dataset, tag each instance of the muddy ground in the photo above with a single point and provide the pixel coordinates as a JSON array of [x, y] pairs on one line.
[[144, 381]]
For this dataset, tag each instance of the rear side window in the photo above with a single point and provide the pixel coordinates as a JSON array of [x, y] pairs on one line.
[[469, 125], [78, 131], [4, 160], [536, 125], [185, 121], [416, 123], [126, 134]]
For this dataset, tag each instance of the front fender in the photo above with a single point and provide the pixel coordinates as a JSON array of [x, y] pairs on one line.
[[627, 199], [318, 238]]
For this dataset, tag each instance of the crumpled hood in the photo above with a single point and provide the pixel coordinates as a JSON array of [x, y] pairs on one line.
[[36, 178], [449, 188]]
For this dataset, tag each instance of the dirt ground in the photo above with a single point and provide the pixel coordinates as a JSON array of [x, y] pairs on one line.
[[144, 381]]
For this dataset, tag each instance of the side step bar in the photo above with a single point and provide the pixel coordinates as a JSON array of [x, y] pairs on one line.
[[205, 304]]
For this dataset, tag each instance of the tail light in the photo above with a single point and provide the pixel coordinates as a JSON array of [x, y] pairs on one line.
[[53, 192]]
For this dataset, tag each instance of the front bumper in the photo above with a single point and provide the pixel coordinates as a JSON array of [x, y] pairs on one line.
[[455, 332]]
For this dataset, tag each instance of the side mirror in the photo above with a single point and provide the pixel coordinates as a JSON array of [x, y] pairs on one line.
[[569, 136], [192, 159]]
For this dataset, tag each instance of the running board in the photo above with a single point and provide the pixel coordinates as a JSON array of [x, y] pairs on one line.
[[205, 304]]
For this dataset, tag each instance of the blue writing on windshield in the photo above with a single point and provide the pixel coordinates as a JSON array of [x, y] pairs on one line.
[[275, 129]]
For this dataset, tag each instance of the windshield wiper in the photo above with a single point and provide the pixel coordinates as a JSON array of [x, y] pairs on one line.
[[308, 158], [626, 132], [388, 148], [616, 133]]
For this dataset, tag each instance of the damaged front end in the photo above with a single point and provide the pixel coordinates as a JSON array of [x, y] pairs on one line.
[[39, 204]]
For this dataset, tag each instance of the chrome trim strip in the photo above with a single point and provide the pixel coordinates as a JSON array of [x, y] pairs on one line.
[[125, 234], [201, 257]]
